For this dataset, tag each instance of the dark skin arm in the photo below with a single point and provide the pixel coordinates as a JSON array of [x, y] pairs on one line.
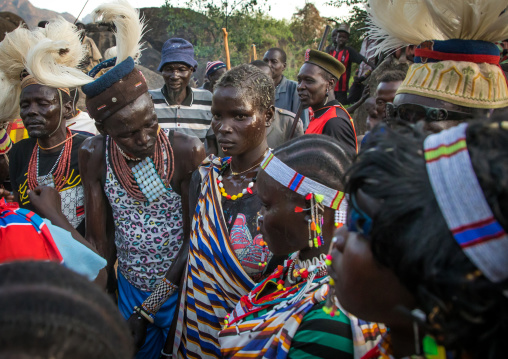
[[47, 203], [188, 152], [365, 95], [98, 217]]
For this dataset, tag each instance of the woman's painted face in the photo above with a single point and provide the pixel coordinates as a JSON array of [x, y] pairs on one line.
[[283, 230], [312, 86], [363, 286], [238, 125], [134, 127], [40, 110]]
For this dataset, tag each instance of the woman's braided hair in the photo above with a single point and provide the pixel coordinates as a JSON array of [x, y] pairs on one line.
[[465, 311]]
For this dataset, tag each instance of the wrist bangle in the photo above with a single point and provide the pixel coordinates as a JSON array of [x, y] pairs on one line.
[[143, 313], [165, 355], [154, 302]]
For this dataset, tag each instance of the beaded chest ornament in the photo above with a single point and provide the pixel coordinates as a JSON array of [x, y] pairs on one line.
[[149, 179]]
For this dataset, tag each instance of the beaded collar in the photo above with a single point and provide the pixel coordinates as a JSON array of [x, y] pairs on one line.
[[282, 297], [226, 162]]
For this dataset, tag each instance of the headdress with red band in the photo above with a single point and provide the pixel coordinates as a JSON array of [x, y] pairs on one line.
[[475, 51], [456, 59]]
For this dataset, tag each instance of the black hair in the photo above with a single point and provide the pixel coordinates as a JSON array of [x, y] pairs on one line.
[[465, 311], [259, 64], [282, 53], [48, 311], [317, 157], [393, 76], [247, 77], [42, 24]]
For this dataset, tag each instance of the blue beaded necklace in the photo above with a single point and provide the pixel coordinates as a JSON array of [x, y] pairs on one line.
[[148, 179]]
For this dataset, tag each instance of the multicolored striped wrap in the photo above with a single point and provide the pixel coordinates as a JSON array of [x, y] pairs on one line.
[[300, 184], [214, 280], [463, 204]]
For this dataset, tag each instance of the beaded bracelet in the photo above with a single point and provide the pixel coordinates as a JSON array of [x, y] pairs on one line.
[[154, 302], [141, 311]]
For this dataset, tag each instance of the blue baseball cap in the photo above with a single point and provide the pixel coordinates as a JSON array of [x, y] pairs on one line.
[[178, 50]]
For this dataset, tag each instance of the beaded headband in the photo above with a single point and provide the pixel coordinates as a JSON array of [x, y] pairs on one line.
[[300, 184], [463, 204]]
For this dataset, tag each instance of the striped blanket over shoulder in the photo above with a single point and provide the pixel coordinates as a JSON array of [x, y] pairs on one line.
[[214, 280]]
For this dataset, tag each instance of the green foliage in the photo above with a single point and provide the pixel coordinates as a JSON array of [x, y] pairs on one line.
[[247, 24], [357, 19]]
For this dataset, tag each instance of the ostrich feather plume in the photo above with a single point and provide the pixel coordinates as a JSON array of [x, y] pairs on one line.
[[398, 23], [129, 27]]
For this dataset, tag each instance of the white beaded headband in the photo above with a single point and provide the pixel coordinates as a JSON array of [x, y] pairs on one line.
[[463, 203], [302, 185]]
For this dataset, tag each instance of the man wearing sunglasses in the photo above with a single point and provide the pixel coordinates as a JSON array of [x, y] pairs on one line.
[[451, 81]]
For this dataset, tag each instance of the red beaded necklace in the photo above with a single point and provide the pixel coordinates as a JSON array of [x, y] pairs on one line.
[[61, 175], [124, 173]]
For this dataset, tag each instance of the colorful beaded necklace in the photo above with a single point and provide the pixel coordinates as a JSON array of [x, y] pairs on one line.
[[255, 301], [225, 164], [62, 164], [147, 180]]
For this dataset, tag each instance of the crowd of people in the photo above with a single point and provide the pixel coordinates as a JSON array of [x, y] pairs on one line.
[[248, 218]]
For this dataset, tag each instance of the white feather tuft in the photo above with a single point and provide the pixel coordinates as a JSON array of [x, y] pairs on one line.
[[398, 23], [46, 62], [62, 30], [110, 53], [13, 51], [9, 99], [129, 27]]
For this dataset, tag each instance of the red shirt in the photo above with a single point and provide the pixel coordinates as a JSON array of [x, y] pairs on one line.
[[347, 56], [333, 120]]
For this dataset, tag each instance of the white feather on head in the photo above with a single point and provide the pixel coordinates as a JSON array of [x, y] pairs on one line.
[[13, 51], [53, 60], [50, 55], [398, 23], [9, 98], [129, 27], [110, 53]]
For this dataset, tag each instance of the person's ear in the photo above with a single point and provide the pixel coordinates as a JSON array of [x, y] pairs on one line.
[[284, 65], [331, 83], [269, 115]]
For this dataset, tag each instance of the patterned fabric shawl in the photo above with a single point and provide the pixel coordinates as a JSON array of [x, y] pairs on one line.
[[269, 335], [214, 280]]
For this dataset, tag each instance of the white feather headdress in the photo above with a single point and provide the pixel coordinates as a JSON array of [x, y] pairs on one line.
[[13, 51], [53, 60], [129, 27], [50, 55], [398, 23]]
